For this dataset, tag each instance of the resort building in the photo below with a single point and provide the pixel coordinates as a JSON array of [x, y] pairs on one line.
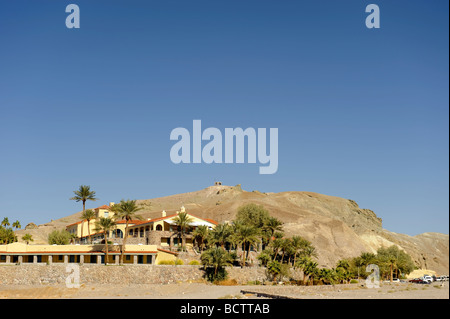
[[82, 229], [18, 253], [149, 242], [164, 232]]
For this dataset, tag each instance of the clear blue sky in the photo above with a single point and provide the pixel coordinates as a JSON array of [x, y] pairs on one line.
[[362, 113]]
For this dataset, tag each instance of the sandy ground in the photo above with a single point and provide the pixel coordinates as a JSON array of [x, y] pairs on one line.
[[209, 291]]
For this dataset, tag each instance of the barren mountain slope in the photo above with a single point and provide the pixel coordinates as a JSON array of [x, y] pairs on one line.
[[337, 227]]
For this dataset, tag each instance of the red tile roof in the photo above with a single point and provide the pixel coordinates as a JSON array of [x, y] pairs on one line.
[[103, 207], [173, 215]]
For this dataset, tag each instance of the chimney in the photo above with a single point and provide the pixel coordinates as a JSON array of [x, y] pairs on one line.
[[183, 210], [111, 204], [163, 213]]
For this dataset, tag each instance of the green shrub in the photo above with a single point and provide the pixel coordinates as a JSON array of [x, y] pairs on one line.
[[354, 281], [59, 237], [194, 262], [179, 262]]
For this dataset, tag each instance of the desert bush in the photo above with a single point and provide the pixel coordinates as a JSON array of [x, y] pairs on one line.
[[179, 262], [59, 237]]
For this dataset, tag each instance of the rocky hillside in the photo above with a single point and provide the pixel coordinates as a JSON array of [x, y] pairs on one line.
[[337, 227]]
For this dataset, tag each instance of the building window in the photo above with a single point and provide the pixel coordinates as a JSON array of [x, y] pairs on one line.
[[106, 214]]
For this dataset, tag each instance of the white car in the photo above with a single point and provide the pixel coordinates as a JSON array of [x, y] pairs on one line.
[[393, 280], [427, 278]]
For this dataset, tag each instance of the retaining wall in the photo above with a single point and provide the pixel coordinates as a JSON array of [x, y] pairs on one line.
[[56, 274]]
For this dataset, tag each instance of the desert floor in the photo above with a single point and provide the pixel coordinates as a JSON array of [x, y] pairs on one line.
[[210, 291]]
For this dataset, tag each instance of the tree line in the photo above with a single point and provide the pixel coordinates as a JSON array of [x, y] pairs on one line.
[[230, 244]]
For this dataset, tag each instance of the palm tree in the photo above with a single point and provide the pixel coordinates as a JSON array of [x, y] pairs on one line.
[[271, 226], [27, 238], [88, 215], [183, 221], [5, 222], [358, 262], [367, 258], [126, 210], [343, 269], [16, 224], [277, 244], [305, 264], [297, 244], [285, 245], [220, 235], [247, 236], [84, 194], [217, 258], [201, 233], [105, 224], [327, 275], [312, 271]]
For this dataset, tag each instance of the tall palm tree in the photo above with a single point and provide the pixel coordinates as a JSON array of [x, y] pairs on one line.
[[307, 249], [271, 225], [88, 215], [5, 222], [297, 244], [84, 194], [126, 210], [16, 224], [183, 221], [277, 245], [287, 249], [105, 224], [247, 236], [358, 262], [201, 234]]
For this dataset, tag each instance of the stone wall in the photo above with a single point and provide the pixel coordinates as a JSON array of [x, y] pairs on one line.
[[55, 274]]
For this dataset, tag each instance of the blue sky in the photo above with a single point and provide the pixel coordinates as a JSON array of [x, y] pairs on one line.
[[362, 113]]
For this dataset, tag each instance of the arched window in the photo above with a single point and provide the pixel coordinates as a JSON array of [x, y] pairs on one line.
[[158, 227]]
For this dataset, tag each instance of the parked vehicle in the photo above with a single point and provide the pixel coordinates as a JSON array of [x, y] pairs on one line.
[[427, 278], [393, 280], [419, 281]]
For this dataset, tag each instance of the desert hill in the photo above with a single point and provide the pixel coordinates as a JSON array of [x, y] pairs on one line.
[[337, 227]]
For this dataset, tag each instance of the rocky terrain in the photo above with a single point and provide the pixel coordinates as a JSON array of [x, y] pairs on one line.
[[337, 227]]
